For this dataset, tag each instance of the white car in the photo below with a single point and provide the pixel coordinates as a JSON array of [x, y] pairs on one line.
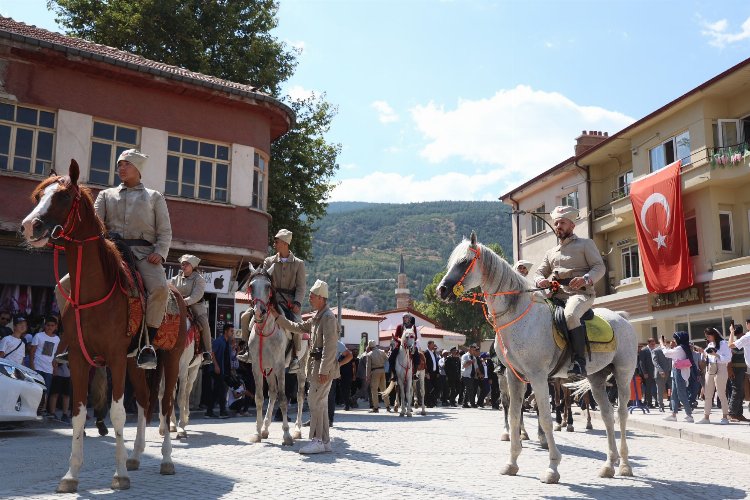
[[21, 392]]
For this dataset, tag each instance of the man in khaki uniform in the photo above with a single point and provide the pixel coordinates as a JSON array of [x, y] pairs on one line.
[[322, 365], [288, 278], [139, 216], [375, 362], [576, 264], [191, 286]]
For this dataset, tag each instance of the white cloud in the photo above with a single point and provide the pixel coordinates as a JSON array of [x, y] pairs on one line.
[[385, 187], [299, 93], [718, 35], [386, 114], [522, 130]]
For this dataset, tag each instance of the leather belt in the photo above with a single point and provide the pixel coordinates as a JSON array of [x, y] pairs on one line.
[[287, 291], [137, 243]]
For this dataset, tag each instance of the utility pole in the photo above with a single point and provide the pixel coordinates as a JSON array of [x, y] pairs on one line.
[[352, 281]]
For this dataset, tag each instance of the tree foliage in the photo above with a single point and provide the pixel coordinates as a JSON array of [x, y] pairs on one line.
[[461, 317], [229, 39]]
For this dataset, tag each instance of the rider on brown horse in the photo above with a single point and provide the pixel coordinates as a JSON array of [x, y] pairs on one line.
[[140, 218]]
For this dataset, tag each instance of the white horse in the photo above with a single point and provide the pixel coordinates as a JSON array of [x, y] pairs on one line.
[[523, 336], [267, 347], [189, 367], [404, 373]]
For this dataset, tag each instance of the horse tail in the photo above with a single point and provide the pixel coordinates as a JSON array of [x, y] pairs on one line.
[[98, 391], [578, 388], [624, 314], [389, 389]]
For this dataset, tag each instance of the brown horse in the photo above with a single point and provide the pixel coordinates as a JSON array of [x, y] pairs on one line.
[[96, 321]]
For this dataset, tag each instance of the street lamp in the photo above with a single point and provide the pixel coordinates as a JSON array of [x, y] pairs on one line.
[[352, 281]]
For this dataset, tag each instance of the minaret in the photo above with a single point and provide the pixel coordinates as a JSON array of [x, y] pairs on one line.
[[403, 299]]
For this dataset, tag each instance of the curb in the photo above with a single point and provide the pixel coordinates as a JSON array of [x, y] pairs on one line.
[[731, 444]]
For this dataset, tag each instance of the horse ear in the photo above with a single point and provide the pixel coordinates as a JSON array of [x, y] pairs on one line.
[[251, 267], [74, 171], [473, 239]]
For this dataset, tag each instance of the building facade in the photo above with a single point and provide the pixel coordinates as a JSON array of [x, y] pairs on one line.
[[208, 142]]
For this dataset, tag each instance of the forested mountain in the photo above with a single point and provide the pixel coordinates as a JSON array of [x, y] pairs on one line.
[[357, 240]]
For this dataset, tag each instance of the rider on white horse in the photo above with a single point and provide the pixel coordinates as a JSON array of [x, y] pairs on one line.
[[407, 322], [576, 264]]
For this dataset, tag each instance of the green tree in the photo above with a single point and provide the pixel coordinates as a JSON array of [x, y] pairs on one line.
[[229, 39], [461, 317]]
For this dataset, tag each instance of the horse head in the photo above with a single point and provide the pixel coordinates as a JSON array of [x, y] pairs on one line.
[[408, 338], [261, 292], [57, 200], [463, 273]]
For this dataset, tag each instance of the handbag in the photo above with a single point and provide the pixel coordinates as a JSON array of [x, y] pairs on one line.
[[682, 363]]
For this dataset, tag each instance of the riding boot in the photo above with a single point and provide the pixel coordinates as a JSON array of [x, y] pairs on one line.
[[294, 363], [392, 362], [578, 341], [207, 358], [147, 356]]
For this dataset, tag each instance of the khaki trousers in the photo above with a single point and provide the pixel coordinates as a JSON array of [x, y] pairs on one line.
[[716, 378], [155, 283], [575, 307], [202, 322], [317, 399], [377, 385]]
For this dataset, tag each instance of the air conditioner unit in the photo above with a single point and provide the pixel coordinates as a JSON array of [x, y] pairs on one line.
[[627, 281]]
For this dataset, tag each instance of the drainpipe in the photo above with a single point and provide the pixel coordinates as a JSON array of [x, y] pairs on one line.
[[517, 250]]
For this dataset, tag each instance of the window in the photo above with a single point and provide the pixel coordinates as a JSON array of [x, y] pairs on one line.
[[27, 137], [668, 152], [108, 141], [630, 264], [197, 169], [725, 229], [537, 224], [691, 231], [623, 185], [570, 200], [259, 170]]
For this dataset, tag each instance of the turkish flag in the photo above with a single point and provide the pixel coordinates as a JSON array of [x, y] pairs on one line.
[[660, 223]]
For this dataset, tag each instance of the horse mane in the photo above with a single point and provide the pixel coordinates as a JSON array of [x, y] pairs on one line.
[[495, 270]]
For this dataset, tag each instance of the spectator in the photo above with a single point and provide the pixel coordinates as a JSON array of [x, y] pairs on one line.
[[442, 382], [238, 399], [682, 362], [348, 373], [432, 372], [716, 355], [43, 349], [738, 370], [13, 347], [484, 382], [469, 370], [453, 376], [647, 372], [344, 356], [5, 330], [362, 384], [60, 387], [222, 368], [663, 367], [742, 342], [494, 383]]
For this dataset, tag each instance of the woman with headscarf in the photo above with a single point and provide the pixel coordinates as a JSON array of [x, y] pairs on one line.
[[717, 355], [682, 362]]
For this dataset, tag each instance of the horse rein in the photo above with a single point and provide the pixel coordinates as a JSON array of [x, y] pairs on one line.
[[261, 325]]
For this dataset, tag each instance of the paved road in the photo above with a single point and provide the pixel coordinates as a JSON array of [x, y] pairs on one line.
[[451, 453]]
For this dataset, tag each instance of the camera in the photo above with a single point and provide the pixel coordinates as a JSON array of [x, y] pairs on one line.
[[710, 350]]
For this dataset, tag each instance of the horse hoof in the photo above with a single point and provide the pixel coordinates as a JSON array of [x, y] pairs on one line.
[[288, 441], [504, 436], [570, 428], [557, 427], [67, 486], [264, 434], [409, 414], [161, 431], [524, 436], [181, 435], [166, 469], [626, 470], [544, 445], [509, 470], [132, 464], [589, 426], [172, 428], [120, 483], [255, 438], [607, 471], [402, 414], [550, 477], [423, 413], [297, 434]]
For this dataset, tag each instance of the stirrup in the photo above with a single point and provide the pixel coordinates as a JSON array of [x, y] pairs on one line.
[[294, 365], [207, 359], [147, 358], [62, 358], [244, 357]]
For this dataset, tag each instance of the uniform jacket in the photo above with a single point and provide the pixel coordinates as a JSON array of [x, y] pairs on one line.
[[136, 213], [375, 359], [431, 367], [192, 288], [289, 275], [572, 258], [453, 368], [323, 332]]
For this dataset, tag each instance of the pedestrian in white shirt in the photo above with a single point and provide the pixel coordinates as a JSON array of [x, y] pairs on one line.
[[716, 355], [682, 361]]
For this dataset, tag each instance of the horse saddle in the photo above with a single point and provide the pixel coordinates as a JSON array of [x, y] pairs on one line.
[[599, 333]]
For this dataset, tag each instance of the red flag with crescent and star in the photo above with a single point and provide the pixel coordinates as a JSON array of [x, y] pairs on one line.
[[660, 224]]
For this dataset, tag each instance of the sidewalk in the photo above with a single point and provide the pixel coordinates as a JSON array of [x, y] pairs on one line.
[[733, 436]]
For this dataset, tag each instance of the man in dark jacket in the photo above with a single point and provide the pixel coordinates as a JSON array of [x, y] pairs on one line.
[[647, 370], [432, 373], [453, 375]]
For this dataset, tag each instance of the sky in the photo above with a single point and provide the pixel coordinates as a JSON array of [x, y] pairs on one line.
[[467, 99]]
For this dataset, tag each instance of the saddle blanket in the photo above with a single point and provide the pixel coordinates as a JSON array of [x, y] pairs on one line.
[[599, 332]]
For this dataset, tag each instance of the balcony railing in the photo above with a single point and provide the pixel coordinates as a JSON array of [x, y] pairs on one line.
[[621, 192], [729, 156]]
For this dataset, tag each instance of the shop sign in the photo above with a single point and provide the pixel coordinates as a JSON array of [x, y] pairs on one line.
[[686, 297]]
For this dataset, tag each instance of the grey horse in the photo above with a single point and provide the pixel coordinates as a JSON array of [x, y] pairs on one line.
[[523, 337], [267, 346]]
